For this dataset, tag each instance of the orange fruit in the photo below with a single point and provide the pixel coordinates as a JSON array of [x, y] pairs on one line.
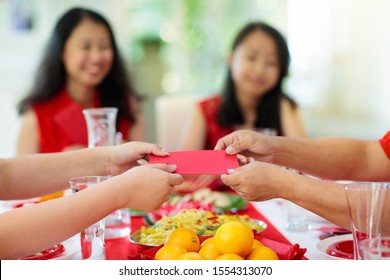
[[207, 242], [262, 253], [256, 243], [184, 238], [229, 256], [234, 237], [208, 250], [169, 252], [190, 256]]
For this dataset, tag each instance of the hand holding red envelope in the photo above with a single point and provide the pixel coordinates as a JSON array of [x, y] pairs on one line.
[[202, 162]]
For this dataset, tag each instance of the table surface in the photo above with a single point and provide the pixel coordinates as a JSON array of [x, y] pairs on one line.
[[275, 211]]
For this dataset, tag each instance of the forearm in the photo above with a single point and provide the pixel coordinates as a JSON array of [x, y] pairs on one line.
[[333, 158], [326, 199], [39, 174], [30, 229]]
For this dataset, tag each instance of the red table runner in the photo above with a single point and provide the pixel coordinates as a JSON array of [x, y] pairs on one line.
[[123, 249]]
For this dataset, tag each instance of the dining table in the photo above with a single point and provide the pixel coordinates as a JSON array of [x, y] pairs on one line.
[[272, 213]]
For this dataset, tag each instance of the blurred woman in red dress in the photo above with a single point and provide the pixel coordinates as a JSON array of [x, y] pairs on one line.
[[80, 69]]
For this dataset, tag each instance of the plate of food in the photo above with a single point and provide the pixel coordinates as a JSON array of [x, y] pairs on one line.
[[339, 247], [203, 199], [204, 223], [220, 201]]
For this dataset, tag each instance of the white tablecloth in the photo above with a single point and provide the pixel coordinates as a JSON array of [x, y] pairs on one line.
[[275, 211]]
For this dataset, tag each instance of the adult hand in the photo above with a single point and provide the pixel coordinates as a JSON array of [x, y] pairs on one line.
[[258, 181], [251, 144]]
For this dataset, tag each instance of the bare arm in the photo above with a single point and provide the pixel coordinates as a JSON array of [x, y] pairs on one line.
[[138, 130], [28, 230], [35, 175], [292, 122], [28, 139], [334, 158], [194, 135], [260, 181], [331, 158], [39, 174]]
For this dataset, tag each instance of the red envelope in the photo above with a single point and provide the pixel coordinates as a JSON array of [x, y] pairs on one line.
[[203, 162]]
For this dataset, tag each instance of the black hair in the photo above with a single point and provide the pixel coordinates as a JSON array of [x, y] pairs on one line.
[[268, 109], [51, 76]]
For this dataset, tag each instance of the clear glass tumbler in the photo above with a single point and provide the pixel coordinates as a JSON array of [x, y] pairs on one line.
[[91, 238], [101, 124]]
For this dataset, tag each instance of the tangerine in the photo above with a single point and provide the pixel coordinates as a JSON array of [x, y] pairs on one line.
[[190, 256], [207, 242], [169, 252], [234, 237], [208, 250], [184, 238], [229, 256], [256, 243], [262, 253]]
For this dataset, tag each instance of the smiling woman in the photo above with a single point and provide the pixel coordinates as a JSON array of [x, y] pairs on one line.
[[252, 97], [81, 68]]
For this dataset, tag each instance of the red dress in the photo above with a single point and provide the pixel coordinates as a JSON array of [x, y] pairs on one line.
[[214, 131], [61, 123]]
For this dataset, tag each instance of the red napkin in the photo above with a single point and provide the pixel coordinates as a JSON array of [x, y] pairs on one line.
[[205, 162], [71, 120], [283, 250]]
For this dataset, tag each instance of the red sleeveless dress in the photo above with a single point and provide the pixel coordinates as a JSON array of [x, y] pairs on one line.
[[61, 123], [214, 131]]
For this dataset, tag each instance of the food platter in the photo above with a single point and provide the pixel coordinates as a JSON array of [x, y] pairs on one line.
[[204, 199], [202, 222], [219, 201]]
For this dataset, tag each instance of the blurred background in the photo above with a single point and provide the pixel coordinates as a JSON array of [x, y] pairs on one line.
[[339, 48]]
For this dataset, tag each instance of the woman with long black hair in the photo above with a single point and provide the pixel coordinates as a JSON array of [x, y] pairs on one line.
[[81, 68]]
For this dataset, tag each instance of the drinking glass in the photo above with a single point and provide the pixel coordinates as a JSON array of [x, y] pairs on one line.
[[297, 216], [91, 238], [366, 207], [377, 248], [101, 125]]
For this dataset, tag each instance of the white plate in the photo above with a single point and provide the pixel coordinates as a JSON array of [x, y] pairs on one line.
[[323, 245], [72, 247]]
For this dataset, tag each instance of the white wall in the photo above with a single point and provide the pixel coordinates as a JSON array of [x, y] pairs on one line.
[[340, 52]]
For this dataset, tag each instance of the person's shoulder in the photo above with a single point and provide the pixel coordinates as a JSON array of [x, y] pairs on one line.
[[288, 102], [55, 102]]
